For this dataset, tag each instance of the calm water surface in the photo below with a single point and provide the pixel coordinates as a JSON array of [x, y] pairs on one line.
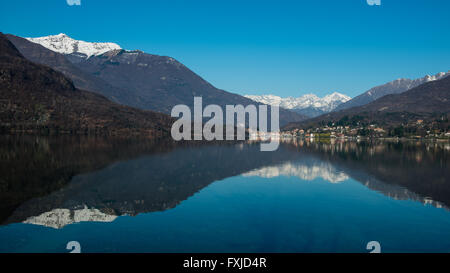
[[158, 196]]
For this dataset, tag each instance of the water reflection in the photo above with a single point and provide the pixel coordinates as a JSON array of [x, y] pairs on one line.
[[34, 167], [415, 170], [84, 180], [56, 182], [309, 170], [59, 218]]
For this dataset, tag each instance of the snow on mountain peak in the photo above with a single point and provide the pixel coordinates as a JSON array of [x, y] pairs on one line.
[[436, 77], [62, 43], [327, 103]]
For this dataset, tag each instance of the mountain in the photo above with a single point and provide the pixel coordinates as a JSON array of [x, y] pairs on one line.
[[82, 80], [137, 79], [309, 105], [35, 98], [394, 87], [429, 101]]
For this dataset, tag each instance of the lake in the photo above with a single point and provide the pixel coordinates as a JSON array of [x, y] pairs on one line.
[[122, 195]]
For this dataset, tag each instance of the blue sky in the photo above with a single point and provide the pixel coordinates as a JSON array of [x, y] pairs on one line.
[[288, 48]]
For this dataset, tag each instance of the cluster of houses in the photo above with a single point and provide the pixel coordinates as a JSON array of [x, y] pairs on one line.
[[336, 132]]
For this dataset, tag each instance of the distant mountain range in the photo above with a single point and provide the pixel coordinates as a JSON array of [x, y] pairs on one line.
[[132, 78], [428, 101], [309, 105], [394, 87], [36, 98], [312, 106]]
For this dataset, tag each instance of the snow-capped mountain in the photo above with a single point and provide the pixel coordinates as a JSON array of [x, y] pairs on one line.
[[309, 104], [394, 87], [63, 44]]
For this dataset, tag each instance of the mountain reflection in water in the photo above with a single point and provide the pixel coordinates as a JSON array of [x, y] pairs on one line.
[[116, 177]]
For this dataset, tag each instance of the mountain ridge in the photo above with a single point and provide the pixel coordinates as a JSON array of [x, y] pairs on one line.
[[428, 101], [397, 86]]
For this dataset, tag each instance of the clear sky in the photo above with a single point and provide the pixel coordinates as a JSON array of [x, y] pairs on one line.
[[287, 48]]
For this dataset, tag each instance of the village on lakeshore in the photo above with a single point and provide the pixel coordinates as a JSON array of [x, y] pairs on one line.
[[416, 130]]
